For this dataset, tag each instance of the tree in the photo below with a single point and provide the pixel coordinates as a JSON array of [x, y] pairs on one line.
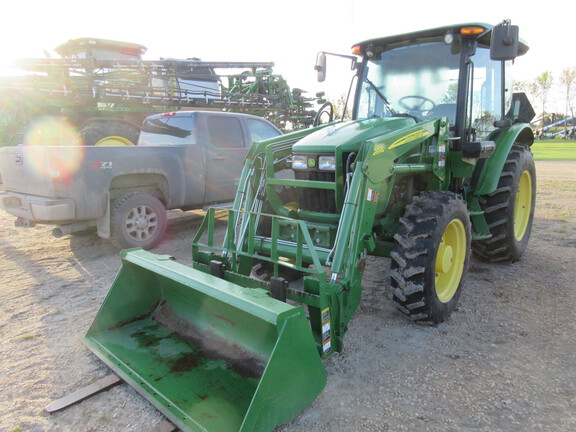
[[541, 87], [568, 81], [521, 87], [339, 108]]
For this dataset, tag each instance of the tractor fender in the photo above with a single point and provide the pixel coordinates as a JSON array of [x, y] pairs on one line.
[[487, 174]]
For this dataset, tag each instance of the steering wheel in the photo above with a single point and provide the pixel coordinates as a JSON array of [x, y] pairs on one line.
[[418, 104], [327, 109]]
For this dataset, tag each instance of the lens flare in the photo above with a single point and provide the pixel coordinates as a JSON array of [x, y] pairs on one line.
[[52, 131], [60, 165]]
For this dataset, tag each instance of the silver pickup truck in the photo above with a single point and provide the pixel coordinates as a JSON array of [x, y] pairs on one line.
[[185, 160]]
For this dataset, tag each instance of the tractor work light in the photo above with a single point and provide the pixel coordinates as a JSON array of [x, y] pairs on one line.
[[299, 162], [471, 30], [327, 163]]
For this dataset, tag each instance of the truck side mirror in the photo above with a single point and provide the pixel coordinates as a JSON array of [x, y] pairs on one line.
[[504, 42], [321, 66]]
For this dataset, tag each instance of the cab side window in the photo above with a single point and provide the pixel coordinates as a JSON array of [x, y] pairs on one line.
[[486, 94]]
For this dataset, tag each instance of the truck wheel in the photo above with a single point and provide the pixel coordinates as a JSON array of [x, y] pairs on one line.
[[96, 132], [430, 256], [138, 220], [509, 210]]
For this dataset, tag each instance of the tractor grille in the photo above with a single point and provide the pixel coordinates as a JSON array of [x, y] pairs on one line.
[[316, 200]]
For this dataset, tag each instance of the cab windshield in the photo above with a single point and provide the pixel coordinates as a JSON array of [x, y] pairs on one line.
[[417, 80]]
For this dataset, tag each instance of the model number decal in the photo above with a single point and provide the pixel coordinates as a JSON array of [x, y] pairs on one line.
[[102, 165]]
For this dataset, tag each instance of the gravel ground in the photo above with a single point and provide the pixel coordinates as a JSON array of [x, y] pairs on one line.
[[505, 361]]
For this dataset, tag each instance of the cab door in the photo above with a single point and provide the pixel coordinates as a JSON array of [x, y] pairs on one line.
[[226, 147]]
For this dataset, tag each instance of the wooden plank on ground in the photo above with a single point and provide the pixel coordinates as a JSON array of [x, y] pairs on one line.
[[84, 393]]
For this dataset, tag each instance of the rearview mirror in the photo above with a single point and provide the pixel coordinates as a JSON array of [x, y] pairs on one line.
[[321, 66], [504, 41]]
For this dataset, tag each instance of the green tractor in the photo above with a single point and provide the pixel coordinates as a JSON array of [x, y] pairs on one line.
[[435, 165]]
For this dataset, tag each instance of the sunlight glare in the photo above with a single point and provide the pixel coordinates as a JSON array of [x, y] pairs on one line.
[[50, 131]]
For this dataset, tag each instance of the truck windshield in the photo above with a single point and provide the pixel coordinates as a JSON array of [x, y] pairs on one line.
[[418, 80]]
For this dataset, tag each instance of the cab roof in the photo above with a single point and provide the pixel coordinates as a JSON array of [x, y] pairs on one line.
[[404, 39], [75, 46]]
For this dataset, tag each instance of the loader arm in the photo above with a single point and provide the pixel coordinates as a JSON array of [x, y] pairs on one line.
[[382, 162], [330, 254]]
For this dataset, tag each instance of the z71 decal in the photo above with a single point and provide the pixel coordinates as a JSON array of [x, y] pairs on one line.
[[102, 165]]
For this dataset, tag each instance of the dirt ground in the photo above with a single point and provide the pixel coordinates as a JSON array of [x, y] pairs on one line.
[[505, 361]]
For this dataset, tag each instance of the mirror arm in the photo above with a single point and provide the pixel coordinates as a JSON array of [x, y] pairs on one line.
[[320, 66], [354, 59]]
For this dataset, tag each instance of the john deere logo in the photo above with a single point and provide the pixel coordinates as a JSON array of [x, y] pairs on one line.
[[311, 163], [378, 149]]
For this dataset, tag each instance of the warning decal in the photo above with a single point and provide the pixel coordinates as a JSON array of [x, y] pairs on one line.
[[372, 196], [326, 330]]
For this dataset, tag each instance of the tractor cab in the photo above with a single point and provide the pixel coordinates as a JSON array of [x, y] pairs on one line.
[[458, 72]]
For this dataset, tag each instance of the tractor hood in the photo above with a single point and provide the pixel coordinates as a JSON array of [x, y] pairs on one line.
[[348, 136]]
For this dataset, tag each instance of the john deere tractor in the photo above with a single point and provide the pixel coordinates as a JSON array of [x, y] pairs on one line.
[[435, 165]]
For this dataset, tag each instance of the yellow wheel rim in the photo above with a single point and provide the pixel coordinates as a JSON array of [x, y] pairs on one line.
[[450, 260], [523, 205], [114, 141]]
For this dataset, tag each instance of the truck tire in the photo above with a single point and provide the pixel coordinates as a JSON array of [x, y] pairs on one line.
[[95, 132], [138, 220], [509, 210], [430, 258]]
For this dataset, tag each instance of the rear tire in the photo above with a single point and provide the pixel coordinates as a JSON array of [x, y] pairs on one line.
[[138, 220], [509, 210], [430, 257], [97, 131]]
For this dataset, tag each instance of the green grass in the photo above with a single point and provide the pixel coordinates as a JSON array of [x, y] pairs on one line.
[[554, 150]]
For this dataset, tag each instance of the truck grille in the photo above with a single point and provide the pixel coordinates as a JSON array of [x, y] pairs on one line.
[[316, 200]]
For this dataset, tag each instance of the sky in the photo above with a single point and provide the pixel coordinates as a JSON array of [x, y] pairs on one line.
[[289, 33]]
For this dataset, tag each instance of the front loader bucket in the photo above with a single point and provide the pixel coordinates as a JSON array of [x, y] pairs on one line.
[[209, 354]]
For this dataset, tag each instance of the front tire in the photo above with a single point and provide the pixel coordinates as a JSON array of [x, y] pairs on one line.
[[138, 220], [430, 257], [509, 210]]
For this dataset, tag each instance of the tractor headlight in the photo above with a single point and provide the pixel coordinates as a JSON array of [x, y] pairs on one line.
[[327, 163], [299, 162]]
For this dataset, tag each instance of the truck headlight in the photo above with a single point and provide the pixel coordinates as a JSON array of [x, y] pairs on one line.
[[327, 163], [299, 162]]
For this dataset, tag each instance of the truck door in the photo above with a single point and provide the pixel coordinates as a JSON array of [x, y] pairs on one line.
[[226, 148], [173, 138]]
